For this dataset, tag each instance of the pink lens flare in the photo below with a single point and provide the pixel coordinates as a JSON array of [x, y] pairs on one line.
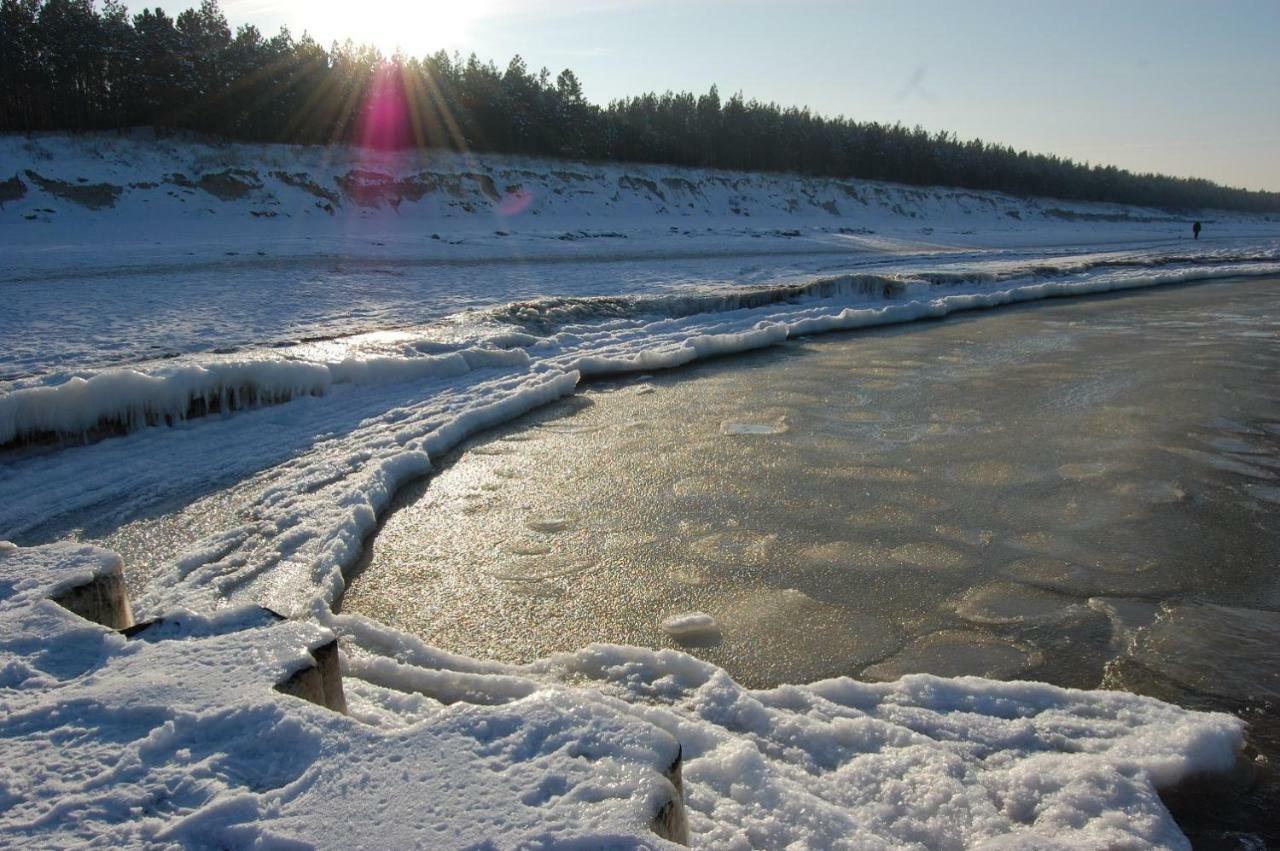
[[384, 122], [514, 203]]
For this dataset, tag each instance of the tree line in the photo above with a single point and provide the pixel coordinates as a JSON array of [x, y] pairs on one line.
[[67, 65]]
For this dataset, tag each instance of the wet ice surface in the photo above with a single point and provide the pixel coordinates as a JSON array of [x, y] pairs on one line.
[[1080, 492], [988, 474]]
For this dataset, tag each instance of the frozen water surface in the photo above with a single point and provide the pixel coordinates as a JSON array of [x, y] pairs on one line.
[[1021, 463], [1080, 492]]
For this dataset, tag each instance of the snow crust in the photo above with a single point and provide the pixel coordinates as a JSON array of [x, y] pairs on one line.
[[175, 738]]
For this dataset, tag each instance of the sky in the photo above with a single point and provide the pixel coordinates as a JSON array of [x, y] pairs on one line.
[[1179, 87]]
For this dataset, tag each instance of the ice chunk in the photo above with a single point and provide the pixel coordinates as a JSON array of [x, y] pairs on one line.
[[874, 473], [1221, 650], [1086, 469], [865, 555], [1119, 577], [957, 653], [1266, 493], [992, 473], [1011, 602], [855, 555], [1127, 616], [929, 554], [885, 515], [693, 629], [787, 636]]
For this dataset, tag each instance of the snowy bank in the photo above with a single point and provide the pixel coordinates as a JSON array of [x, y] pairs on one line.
[[593, 335], [141, 187], [178, 738]]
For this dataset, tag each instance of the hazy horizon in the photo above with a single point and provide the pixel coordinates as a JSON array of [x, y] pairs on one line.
[[1175, 87]]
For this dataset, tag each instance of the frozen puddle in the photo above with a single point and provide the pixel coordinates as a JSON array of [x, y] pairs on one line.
[[960, 522]]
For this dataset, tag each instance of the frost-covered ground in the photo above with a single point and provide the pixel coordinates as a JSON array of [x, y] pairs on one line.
[[278, 331]]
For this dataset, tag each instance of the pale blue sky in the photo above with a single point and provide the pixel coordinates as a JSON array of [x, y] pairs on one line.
[[1187, 88]]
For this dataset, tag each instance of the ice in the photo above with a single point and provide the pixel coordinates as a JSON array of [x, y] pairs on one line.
[[1057, 575], [734, 428], [536, 568], [735, 546], [130, 399], [847, 554], [527, 547], [787, 633], [1200, 645], [1265, 493], [873, 473], [992, 472], [860, 555], [929, 555], [692, 629], [957, 653], [1151, 492], [1127, 616], [1086, 469], [631, 339], [1013, 603], [548, 525]]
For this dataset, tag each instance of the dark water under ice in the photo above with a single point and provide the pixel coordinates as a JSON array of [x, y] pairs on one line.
[[1085, 492]]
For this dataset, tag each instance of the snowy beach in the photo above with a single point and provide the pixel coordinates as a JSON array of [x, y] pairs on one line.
[[225, 406]]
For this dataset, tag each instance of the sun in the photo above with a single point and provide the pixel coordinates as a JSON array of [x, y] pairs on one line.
[[414, 27]]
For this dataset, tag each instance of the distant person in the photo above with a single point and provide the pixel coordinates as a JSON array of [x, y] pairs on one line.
[[1195, 230]]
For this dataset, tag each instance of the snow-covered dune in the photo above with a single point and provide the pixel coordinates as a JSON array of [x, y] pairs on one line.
[[115, 183]]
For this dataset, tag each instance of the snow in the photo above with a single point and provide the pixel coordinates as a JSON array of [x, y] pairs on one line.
[[290, 390], [133, 399], [176, 738], [253, 281]]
